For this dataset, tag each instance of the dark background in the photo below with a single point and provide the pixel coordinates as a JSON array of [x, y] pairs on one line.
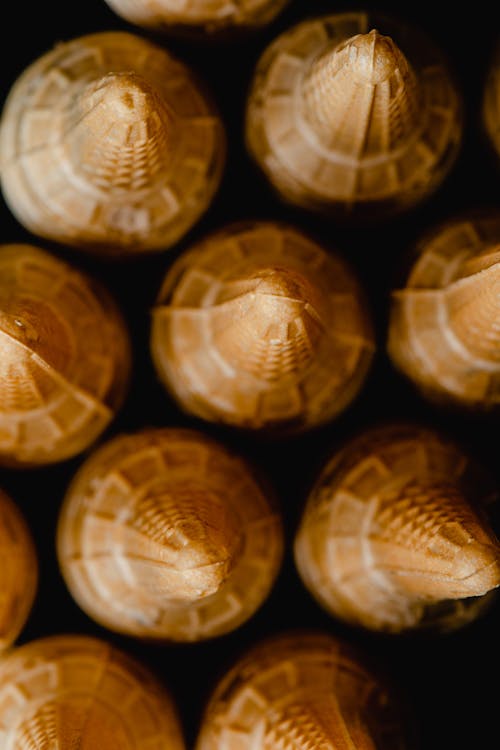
[[450, 681]]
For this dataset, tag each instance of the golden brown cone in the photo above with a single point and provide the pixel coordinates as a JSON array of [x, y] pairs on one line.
[[349, 90], [301, 691], [27, 327], [473, 307], [340, 121], [443, 331], [209, 17], [110, 144], [120, 133], [258, 327], [198, 538], [272, 328], [164, 534], [426, 538], [83, 693], [18, 572], [64, 358], [392, 529]]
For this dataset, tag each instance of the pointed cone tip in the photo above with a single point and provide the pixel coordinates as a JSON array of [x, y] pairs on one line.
[[206, 563], [480, 566], [202, 538], [374, 58], [281, 282], [127, 96], [284, 291]]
